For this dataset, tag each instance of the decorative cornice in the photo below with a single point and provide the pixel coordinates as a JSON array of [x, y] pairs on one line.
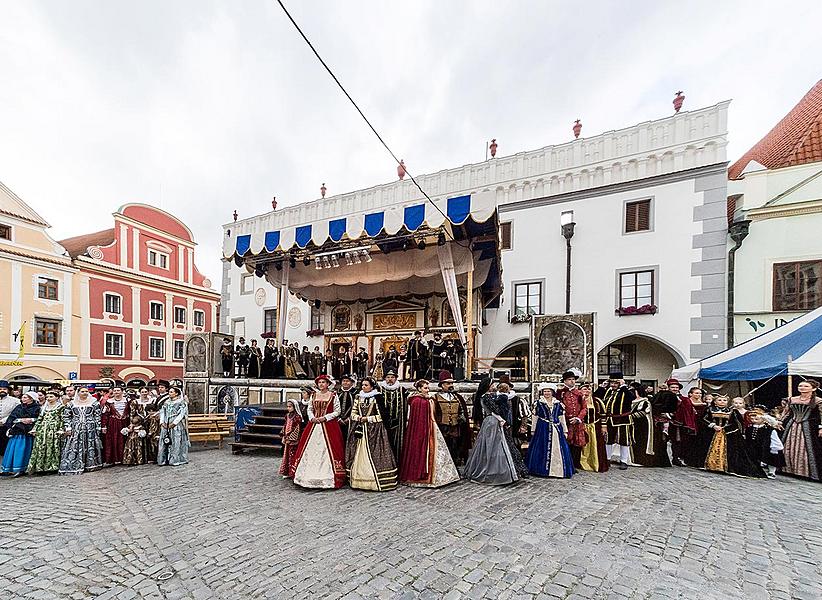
[[787, 210]]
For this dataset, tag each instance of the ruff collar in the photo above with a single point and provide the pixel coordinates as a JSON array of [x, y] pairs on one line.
[[387, 386]]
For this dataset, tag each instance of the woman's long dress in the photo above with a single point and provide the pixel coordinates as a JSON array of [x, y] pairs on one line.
[[378, 372], [267, 367], [152, 439], [18, 450], [548, 453], [803, 448], [174, 443], [643, 448], [426, 461], [319, 458], [135, 448], [83, 450], [255, 362], [369, 460], [727, 453], [593, 457], [115, 417], [48, 440], [293, 369], [697, 450], [495, 459], [290, 439]]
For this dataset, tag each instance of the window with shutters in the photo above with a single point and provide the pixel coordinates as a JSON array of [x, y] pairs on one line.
[[638, 216], [797, 285], [505, 231]]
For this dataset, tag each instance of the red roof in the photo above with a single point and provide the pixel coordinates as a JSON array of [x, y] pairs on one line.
[[795, 140], [78, 245]]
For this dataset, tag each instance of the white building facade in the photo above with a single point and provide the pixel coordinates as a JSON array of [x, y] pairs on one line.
[[649, 251]]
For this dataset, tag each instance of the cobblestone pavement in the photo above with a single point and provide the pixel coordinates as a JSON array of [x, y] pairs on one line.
[[227, 527]]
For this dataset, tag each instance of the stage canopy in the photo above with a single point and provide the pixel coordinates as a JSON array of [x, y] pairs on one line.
[[794, 348], [336, 251]]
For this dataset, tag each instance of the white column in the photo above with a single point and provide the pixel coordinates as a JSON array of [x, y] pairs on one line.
[[214, 325], [190, 269], [67, 291], [135, 248], [123, 246], [189, 314], [135, 323], [85, 323], [17, 307], [169, 322], [180, 264]]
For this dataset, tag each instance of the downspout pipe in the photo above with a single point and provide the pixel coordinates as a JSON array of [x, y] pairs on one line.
[[738, 231]]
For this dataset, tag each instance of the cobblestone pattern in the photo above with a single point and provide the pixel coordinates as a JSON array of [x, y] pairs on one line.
[[227, 527]]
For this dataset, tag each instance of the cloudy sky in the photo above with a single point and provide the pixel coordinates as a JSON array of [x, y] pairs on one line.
[[204, 107]]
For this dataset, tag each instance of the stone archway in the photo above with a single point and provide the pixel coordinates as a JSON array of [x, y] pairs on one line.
[[640, 357], [514, 359]]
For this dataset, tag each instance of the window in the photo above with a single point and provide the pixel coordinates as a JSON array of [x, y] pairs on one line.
[[270, 320], [617, 357], [247, 283], [179, 346], [156, 348], [115, 343], [316, 318], [5, 232], [528, 298], [636, 288], [156, 311], [797, 286], [47, 288], [179, 315], [114, 304], [47, 332], [638, 216], [158, 259], [199, 318], [505, 231]]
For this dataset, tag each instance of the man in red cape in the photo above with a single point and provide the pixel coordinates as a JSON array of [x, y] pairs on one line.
[[683, 424]]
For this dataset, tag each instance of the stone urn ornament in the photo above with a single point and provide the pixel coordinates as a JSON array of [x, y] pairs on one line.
[[577, 128], [401, 170], [274, 203], [235, 216], [493, 147], [323, 190], [678, 100]]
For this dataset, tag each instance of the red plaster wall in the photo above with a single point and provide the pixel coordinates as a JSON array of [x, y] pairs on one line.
[[96, 290], [97, 341]]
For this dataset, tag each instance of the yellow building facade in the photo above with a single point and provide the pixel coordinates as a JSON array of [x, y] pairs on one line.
[[39, 316]]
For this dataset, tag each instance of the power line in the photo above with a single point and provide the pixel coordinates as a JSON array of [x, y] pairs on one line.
[[373, 129]]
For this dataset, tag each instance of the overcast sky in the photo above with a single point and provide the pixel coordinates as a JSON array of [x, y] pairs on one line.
[[204, 107]]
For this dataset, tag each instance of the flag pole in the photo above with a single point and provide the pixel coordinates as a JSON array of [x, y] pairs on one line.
[[790, 378]]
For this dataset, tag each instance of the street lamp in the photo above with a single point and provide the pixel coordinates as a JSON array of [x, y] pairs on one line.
[[566, 221]]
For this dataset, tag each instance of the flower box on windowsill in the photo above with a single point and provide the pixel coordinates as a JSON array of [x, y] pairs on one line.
[[520, 318], [315, 332], [645, 309], [268, 335]]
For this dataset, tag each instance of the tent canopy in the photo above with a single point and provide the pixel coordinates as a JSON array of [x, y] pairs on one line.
[[794, 348]]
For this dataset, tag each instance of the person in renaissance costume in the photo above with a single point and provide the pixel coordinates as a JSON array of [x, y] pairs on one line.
[[255, 360], [243, 354], [293, 368], [48, 436], [174, 443], [134, 452], [267, 366], [305, 363], [18, 431], [575, 412], [391, 362], [451, 414], [682, 430], [802, 433], [402, 355], [319, 458], [643, 430], [369, 460], [494, 458], [8, 403], [83, 448], [279, 362], [763, 443], [342, 363], [290, 437], [437, 352], [227, 357], [345, 395], [618, 399], [417, 357], [396, 408], [727, 453], [549, 454], [116, 412], [696, 451], [378, 370], [425, 459], [361, 363], [593, 456]]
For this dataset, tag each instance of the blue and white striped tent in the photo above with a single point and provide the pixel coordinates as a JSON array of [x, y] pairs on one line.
[[794, 348]]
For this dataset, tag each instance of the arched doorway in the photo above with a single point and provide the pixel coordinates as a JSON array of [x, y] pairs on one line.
[[640, 358], [513, 359]]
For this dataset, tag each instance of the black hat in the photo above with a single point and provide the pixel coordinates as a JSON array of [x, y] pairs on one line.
[[616, 375], [347, 376], [163, 382], [391, 372], [569, 375]]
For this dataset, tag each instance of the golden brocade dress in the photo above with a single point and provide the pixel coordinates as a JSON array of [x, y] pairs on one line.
[[717, 459], [369, 460]]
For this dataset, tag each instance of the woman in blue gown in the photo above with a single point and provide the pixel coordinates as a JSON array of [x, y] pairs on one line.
[[18, 428], [548, 452]]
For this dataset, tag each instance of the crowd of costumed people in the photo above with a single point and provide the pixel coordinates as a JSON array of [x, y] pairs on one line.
[[374, 435], [77, 428]]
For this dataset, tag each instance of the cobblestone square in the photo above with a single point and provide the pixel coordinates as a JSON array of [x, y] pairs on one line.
[[227, 527]]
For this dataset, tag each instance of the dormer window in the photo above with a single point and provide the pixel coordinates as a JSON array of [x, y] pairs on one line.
[[158, 259], [5, 232]]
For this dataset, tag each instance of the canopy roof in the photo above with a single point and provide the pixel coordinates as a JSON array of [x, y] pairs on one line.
[[766, 355], [402, 243]]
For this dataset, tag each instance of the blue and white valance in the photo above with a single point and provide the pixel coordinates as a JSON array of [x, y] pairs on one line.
[[256, 236]]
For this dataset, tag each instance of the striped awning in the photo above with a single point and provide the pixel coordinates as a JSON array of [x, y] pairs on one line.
[[256, 237]]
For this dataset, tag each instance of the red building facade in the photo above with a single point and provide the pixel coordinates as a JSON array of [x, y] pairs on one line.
[[139, 293]]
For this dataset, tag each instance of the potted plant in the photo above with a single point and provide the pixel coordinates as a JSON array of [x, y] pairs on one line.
[[314, 332], [645, 309]]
